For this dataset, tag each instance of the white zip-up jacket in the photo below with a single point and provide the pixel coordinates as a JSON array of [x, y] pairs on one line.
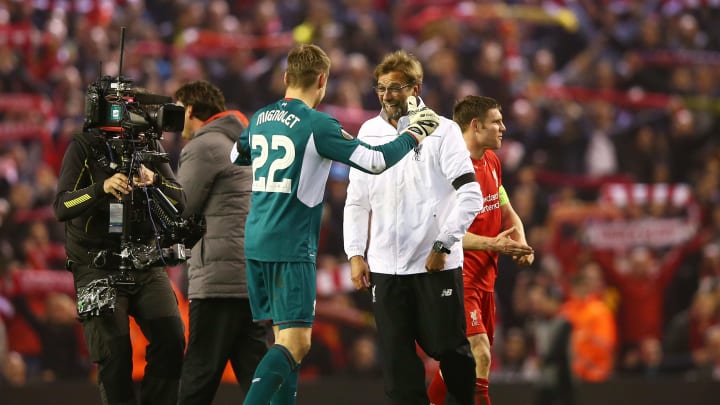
[[431, 194]]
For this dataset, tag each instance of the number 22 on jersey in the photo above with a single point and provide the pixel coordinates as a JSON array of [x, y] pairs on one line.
[[279, 161]]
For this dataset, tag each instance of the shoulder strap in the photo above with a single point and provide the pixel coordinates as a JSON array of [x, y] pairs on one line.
[[92, 147], [85, 140]]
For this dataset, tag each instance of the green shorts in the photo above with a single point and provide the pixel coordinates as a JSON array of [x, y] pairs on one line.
[[283, 292]]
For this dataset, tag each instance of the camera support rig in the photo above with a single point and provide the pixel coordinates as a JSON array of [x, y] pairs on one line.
[[131, 123]]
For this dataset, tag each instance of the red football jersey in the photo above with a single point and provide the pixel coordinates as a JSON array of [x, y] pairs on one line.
[[480, 266]]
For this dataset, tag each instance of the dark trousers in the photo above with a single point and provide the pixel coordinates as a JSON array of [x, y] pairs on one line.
[[426, 309], [153, 304], [221, 329]]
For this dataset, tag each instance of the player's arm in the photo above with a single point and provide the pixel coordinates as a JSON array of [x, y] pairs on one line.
[[511, 241], [472, 241], [336, 144], [503, 243], [377, 159], [524, 253], [511, 219]]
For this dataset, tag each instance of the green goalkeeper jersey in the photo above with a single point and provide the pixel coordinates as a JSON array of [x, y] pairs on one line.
[[291, 148]]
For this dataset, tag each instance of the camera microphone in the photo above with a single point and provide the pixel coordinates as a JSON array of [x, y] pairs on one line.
[[147, 98]]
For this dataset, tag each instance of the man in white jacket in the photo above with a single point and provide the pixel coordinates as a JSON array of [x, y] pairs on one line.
[[417, 211]]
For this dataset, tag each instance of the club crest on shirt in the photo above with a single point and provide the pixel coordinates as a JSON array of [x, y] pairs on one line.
[[497, 183], [417, 157]]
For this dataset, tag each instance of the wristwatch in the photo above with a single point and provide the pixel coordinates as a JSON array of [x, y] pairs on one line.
[[438, 247]]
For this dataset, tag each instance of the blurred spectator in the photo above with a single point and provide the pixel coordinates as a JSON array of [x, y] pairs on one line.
[[641, 279], [44, 182], [684, 342], [14, 370], [644, 358], [646, 150], [3, 332], [515, 360], [16, 228], [601, 155], [712, 342], [39, 251], [552, 331], [710, 264], [686, 142], [23, 339], [63, 355], [593, 340], [488, 72], [363, 359]]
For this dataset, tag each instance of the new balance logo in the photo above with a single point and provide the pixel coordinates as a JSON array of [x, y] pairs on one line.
[[447, 292]]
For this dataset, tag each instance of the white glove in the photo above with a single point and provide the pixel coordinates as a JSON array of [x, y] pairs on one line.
[[423, 121]]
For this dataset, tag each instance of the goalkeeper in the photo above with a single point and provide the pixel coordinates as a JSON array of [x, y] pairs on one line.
[[291, 146], [420, 209]]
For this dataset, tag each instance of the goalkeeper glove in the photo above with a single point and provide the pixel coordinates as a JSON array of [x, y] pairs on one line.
[[423, 121]]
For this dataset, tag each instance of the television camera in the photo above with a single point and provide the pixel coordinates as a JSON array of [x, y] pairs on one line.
[[127, 125]]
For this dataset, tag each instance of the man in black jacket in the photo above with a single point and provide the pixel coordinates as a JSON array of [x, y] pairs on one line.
[[102, 198]]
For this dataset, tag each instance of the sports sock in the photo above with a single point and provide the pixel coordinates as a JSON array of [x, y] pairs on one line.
[[437, 391], [287, 394], [270, 374], [482, 394]]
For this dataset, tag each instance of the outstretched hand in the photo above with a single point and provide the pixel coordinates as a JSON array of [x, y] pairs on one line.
[[508, 246]]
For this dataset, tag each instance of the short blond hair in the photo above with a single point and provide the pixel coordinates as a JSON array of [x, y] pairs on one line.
[[305, 63]]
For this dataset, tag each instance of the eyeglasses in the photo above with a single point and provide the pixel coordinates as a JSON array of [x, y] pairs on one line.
[[394, 90]]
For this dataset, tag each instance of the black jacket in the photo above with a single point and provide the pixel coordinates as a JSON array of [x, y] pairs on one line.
[[83, 205]]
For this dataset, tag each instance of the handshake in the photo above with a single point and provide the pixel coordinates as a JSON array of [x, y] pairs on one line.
[[423, 121]]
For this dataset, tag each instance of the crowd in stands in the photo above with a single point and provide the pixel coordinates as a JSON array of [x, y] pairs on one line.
[[611, 159]]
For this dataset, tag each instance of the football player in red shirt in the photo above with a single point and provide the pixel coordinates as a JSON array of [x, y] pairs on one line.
[[496, 230]]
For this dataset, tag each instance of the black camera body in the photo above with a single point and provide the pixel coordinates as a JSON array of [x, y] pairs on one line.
[[113, 105]]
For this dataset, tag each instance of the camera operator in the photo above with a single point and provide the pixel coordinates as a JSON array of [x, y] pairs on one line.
[[91, 183]]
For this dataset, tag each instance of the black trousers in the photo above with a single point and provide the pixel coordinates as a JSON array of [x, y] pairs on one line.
[[153, 304], [426, 309], [221, 329]]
